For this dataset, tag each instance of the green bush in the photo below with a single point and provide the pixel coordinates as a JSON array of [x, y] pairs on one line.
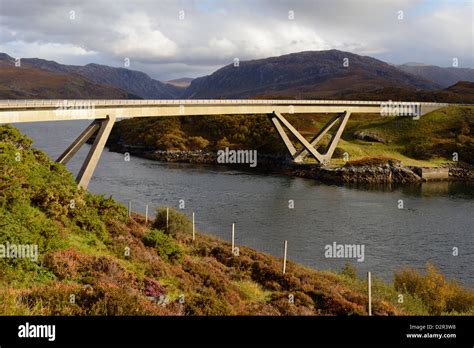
[[172, 141], [27, 225], [338, 153], [438, 294], [197, 143], [165, 245], [177, 222], [108, 210], [349, 270], [9, 134]]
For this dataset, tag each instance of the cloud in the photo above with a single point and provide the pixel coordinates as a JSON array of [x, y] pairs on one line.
[[50, 51], [222, 47], [137, 37], [284, 38], [158, 40]]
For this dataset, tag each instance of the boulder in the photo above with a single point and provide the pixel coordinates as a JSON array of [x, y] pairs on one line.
[[365, 136]]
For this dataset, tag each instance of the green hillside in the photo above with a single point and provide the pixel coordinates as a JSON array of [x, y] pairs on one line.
[[95, 260], [429, 140]]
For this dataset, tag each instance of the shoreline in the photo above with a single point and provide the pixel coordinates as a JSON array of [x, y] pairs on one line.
[[392, 172]]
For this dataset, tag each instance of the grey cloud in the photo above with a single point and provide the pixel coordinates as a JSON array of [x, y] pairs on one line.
[[212, 33]]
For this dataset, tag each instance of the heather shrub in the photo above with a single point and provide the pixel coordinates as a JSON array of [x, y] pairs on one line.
[[10, 303], [153, 288], [199, 304], [102, 299]]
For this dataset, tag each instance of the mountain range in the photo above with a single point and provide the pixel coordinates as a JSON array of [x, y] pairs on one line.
[[444, 77], [135, 82], [312, 73], [29, 82], [329, 74]]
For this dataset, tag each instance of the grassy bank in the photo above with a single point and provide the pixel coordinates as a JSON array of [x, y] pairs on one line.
[[95, 260], [429, 141]]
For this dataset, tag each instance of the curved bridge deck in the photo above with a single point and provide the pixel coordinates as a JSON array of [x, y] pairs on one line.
[[105, 112], [15, 111]]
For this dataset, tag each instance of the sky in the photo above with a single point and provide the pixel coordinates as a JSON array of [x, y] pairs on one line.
[[190, 38]]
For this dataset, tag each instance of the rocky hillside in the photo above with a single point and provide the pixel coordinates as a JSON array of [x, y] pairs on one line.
[[444, 77], [316, 74], [29, 82]]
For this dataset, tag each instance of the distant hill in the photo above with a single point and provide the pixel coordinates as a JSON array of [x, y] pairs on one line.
[[461, 92], [183, 82], [311, 74], [135, 82], [29, 82], [462, 87], [444, 77]]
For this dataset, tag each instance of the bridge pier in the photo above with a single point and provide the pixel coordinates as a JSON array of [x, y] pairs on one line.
[[85, 173], [309, 147], [283, 135], [77, 144]]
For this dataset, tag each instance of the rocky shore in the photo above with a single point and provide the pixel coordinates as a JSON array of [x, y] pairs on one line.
[[392, 172], [383, 174]]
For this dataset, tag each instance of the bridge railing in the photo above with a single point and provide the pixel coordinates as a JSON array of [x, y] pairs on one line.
[[28, 103]]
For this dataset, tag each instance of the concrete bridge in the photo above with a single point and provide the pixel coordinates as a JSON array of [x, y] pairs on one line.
[[104, 113]]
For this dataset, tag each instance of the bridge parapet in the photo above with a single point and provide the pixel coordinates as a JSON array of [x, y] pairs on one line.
[[16, 111]]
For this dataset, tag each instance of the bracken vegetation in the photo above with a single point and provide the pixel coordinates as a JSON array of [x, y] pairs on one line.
[[95, 260]]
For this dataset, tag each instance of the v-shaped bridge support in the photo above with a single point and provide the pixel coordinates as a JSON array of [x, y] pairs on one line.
[[88, 167], [309, 146]]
